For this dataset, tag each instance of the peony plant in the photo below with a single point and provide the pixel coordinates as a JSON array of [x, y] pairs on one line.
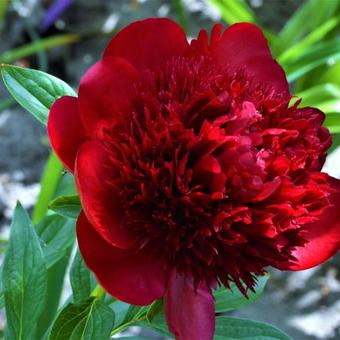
[[195, 173]]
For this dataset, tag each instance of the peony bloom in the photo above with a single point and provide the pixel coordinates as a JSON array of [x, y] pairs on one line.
[[193, 170]]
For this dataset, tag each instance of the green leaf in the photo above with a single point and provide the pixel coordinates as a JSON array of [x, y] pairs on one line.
[[82, 280], [330, 106], [57, 235], [227, 328], [336, 142], [333, 121], [154, 309], [232, 299], [297, 26], [313, 57], [233, 11], [127, 315], [89, 320], [37, 46], [24, 278], [68, 206], [158, 324], [316, 95], [315, 36], [34, 90], [120, 309]]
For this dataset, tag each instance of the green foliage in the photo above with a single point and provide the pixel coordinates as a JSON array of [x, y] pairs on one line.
[[49, 184], [232, 299], [57, 235], [235, 328], [68, 206], [24, 278], [34, 90], [37, 46], [299, 26], [82, 280], [233, 11], [88, 320]]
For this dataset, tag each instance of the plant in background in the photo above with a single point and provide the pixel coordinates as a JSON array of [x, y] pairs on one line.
[[194, 173]]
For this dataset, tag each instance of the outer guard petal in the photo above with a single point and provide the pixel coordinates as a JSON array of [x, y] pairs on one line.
[[148, 43], [100, 203], [106, 92], [243, 46], [190, 314], [323, 235], [65, 130], [134, 277]]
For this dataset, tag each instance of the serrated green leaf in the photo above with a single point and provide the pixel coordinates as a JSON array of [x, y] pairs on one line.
[[68, 206], [232, 299], [57, 235], [89, 320], [227, 328], [24, 278], [34, 90], [82, 280]]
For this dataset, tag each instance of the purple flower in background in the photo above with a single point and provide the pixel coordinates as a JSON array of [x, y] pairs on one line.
[[53, 13]]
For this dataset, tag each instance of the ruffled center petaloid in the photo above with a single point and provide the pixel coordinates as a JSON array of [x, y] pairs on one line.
[[214, 172]]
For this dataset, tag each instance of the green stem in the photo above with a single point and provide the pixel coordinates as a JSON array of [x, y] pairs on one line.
[[49, 183], [37, 46], [98, 292]]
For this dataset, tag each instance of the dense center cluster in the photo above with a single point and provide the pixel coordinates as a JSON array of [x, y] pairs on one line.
[[215, 173]]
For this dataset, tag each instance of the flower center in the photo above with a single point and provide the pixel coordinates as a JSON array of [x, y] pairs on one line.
[[212, 172]]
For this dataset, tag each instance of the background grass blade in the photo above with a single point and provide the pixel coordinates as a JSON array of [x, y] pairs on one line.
[[37, 46], [233, 11]]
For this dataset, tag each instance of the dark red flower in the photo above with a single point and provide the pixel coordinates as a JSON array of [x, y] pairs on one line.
[[192, 169]]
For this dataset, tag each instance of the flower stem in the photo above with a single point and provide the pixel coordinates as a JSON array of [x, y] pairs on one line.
[[98, 292]]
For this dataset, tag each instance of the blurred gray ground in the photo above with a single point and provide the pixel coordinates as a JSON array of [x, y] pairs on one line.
[[304, 304]]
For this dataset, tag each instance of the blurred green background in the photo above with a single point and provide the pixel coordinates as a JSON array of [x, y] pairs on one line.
[[65, 37]]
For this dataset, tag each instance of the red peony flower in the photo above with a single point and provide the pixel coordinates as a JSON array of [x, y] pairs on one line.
[[192, 169]]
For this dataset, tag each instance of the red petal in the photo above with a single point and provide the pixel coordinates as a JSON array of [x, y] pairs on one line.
[[100, 203], [65, 130], [135, 278], [323, 235], [148, 43], [243, 46], [105, 92], [190, 314]]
